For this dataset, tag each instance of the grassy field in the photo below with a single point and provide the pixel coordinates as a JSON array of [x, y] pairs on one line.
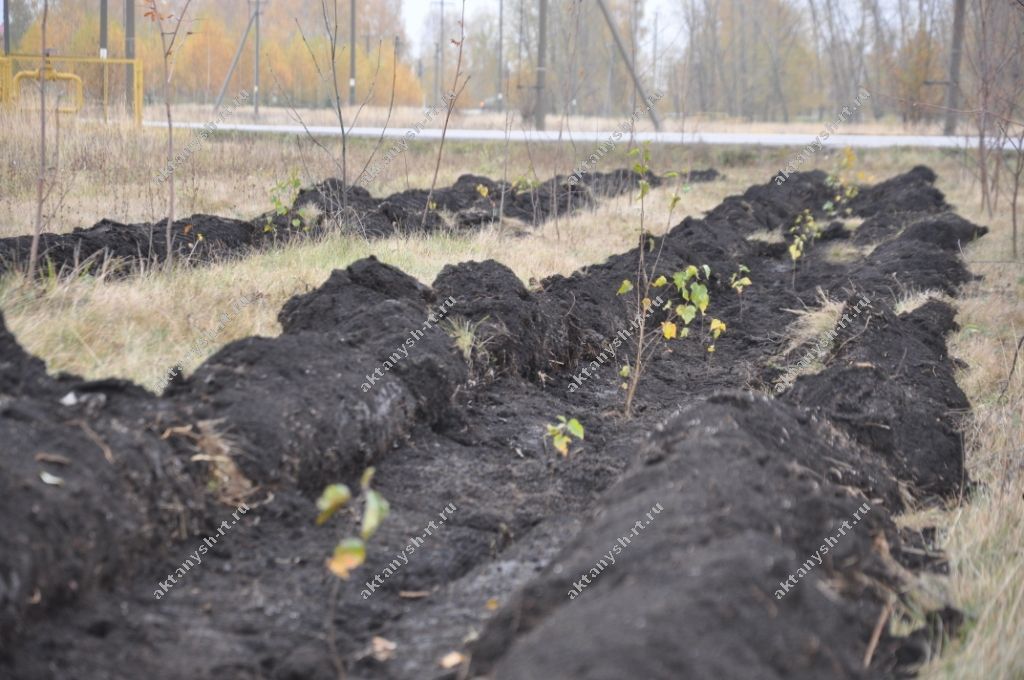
[[136, 329]]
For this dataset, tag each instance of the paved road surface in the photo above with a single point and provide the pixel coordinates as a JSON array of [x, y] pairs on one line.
[[718, 138]]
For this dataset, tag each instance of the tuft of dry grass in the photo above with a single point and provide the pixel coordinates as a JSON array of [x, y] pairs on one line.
[[813, 322], [844, 252]]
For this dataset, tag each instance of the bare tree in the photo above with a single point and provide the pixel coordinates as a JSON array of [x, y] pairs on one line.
[[169, 43], [41, 182]]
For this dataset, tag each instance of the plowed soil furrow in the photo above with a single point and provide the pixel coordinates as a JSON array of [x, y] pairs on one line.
[[472, 202], [748, 486]]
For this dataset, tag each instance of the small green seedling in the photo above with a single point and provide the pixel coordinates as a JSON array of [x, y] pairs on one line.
[[561, 433], [351, 552], [282, 197], [740, 281]]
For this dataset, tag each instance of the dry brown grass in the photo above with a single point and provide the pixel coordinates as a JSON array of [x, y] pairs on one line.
[[137, 329]]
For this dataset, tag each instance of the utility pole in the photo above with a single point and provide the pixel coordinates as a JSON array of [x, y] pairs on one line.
[[654, 52], [103, 27], [952, 94], [103, 48], [629, 64], [501, 63], [352, 53], [542, 44], [256, 65], [129, 45], [440, 42], [7, 27], [234, 61], [632, 43]]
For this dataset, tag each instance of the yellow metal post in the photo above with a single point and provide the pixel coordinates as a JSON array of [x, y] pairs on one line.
[[5, 81], [137, 70]]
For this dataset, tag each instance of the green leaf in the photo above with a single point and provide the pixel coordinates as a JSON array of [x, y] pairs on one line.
[[348, 555], [699, 296], [671, 174], [624, 371], [679, 279], [675, 201], [707, 271], [744, 269], [690, 272], [645, 188], [686, 313], [377, 508], [626, 286], [333, 498], [296, 222], [575, 428]]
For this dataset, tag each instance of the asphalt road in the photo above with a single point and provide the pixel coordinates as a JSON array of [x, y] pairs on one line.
[[716, 138]]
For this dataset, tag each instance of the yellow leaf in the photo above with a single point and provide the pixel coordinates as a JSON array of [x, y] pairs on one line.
[[668, 329], [625, 287], [717, 324], [659, 282], [492, 604], [333, 498], [348, 555], [646, 303], [711, 348], [482, 190]]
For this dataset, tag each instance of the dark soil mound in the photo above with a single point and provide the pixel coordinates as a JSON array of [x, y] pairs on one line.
[[947, 230], [771, 206], [110, 245], [909, 192]]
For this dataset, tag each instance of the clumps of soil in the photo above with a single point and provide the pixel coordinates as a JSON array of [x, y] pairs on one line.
[[748, 488]]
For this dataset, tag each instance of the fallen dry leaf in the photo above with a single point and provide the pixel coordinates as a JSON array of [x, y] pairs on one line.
[[54, 458], [383, 649], [413, 594], [451, 660]]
